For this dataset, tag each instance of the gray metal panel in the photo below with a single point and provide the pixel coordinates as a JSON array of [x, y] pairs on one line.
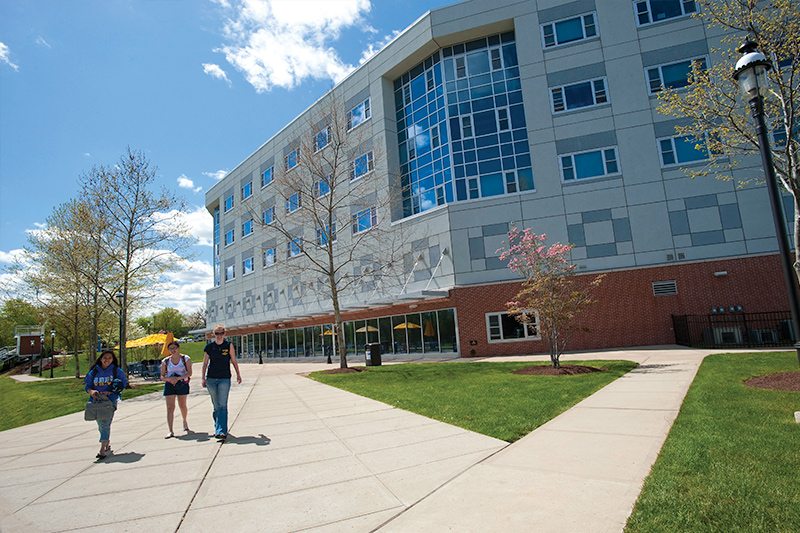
[[596, 216], [586, 142], [565, 11], [675, 53], [576, 74], [679, 222]]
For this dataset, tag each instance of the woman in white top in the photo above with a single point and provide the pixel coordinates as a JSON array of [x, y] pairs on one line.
[[175, 372]]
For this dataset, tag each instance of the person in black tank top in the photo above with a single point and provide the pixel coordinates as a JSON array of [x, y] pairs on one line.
[[217, 358]]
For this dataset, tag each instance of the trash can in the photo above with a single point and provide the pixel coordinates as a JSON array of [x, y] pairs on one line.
[[373, 353]]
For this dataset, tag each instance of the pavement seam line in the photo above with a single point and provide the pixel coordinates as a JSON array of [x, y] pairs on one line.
[[216, 454]]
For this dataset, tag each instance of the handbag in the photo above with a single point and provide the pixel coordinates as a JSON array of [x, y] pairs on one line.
[[100, 408]]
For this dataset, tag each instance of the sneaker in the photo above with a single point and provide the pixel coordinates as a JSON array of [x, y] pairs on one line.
[[222, 436]]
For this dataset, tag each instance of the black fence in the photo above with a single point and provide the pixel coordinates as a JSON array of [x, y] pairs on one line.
[[734, 329]]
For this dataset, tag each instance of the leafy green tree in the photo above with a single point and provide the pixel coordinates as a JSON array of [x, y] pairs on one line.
[[716, 115], [144, 232], [169, 319], [15, 312], [550, 298]]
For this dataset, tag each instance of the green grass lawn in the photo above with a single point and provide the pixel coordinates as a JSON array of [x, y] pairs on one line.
[[29, 402], [482, 397], [732, 459]]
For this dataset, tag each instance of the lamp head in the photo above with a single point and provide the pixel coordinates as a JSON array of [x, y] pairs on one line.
[[751, 71]]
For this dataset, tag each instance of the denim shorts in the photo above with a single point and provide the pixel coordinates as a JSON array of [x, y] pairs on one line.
[[179, 389]]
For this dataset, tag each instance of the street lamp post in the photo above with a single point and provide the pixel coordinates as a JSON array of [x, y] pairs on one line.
[[52, 349], [120, 299], [41, 353], [751, 75]]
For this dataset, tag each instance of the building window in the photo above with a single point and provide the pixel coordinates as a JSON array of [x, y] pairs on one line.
[[578, 95], [269, 215], [266, 177], [593, 164], [228, 203], [358, 114], [503, 123], [323, 186], [269, 257], [361, 165], [294, 202], [292, 159], [229, 238], [683, 149], [294, 247], [435, 139], [650, 11], [466, 126], [322, 138], [364, 220], [504, 327], [247, 190], [230, 273], [247, 266], [569, 30], [672, 75], [247, 227], [323, 234]]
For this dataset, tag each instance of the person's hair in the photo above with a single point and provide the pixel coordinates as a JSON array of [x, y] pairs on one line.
[[176, 343], [114, 362], [220, 326]]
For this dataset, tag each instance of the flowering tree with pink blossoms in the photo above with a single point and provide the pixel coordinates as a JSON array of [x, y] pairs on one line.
[[549, 288]]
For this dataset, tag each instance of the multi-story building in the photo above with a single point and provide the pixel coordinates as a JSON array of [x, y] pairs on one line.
[[536, 113]]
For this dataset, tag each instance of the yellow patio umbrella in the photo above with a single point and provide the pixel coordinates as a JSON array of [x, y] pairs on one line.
[[429, 330], [149, 340], [366, 329], [408, 325], [167, 339], [328, 332]]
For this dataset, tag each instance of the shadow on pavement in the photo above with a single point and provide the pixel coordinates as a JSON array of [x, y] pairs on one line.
[[261, 440], [127, 457]]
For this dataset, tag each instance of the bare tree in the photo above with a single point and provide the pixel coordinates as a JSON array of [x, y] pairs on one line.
[[330, 210], [144, 231]]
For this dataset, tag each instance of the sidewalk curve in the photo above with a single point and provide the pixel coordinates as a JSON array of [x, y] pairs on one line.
[[303, 456]]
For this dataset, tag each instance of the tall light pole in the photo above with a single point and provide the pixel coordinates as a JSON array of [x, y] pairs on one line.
[[751, 75], [52, 349], [120, 298], [41, 352]]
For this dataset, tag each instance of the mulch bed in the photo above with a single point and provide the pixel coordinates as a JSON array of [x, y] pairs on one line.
[[779, 381], [563, 370], [348, 370]]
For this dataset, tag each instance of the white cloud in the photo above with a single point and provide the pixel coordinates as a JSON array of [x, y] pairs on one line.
[[12, 256], [276, 43], [4, 53], [42, 42], [184, 289], [215, 72], [374, 48], [201, 225], [218, 175], [186, 183]]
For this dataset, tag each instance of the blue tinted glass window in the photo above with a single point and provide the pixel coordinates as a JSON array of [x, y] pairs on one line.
[[589, 165], [569, 30], [492, 185], [478, 63], [689, 149], [485, 123], [578, 95]]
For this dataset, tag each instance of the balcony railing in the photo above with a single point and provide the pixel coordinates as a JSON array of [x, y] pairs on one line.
[[718, 330]]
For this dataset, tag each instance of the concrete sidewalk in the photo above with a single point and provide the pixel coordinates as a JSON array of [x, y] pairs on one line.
[[302, 456]]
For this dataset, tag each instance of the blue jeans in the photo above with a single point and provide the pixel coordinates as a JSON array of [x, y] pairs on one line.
[[218, 389], [105, 427]]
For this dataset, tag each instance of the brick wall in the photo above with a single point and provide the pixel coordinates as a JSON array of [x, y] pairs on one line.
[[627, 313]]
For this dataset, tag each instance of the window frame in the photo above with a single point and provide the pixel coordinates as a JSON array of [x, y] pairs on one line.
[[294, 248], [323, 233], [673, 144], [274, 255], [270, 209], [296, 200], [318, 189], [232, 235], [367, 114], [245, 270], [370, 163], [271, 172], [228, 204], [499, 328], [327, 133], [649, 80], [247, 190], [294, 155], [603, 150], [584, 26], [247, 225], [232, 270], [593, 89], [638, 13], [371, 214]]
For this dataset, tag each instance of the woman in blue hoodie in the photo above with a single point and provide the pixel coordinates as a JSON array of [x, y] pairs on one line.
[[105, 378]]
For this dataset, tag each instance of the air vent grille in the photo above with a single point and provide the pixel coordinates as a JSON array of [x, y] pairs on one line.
[[665, 288]]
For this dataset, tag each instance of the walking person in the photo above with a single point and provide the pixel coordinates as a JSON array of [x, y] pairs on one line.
[[176, 370], [217, 358], [105, 378]]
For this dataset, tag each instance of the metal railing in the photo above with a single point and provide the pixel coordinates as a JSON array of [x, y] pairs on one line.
[[718, 330]]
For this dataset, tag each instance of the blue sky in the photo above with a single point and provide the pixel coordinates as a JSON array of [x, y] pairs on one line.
[[197, 85]]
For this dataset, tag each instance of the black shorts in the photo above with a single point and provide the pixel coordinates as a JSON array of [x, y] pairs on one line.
[[179, 389]]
